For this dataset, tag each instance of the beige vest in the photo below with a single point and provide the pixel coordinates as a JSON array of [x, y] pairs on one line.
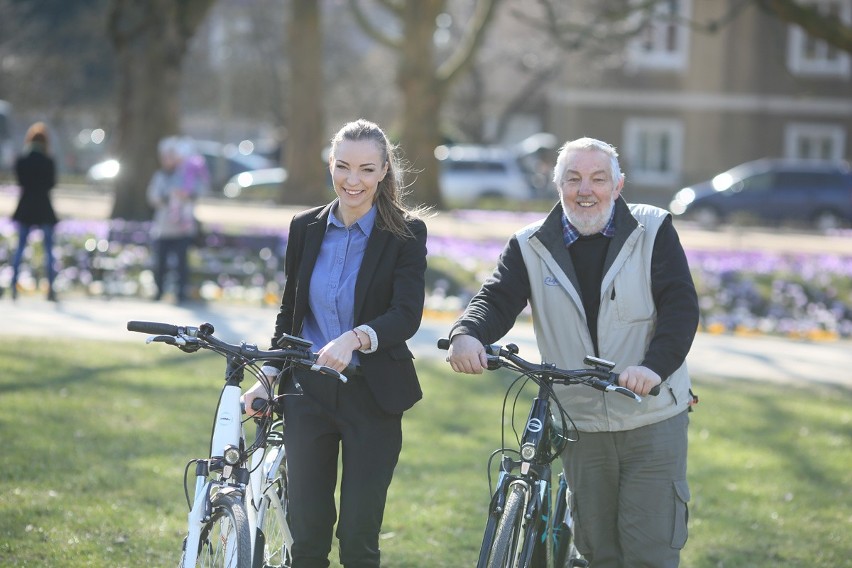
[[625, 328]]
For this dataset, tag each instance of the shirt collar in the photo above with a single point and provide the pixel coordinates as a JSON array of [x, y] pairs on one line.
[[570, 234], [365, 223]]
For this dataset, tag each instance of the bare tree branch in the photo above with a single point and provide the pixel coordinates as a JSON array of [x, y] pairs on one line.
[[393, 6], [617, 23], [827, 27], [483, 14], [535, 84], [371, 30]]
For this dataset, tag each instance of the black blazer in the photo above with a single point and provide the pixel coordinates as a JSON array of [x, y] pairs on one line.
[[389, 296]]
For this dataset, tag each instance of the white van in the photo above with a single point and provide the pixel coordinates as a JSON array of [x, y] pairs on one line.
[[470, 173]]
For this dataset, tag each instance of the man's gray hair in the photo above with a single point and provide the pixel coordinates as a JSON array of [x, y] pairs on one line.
[[586, 143]]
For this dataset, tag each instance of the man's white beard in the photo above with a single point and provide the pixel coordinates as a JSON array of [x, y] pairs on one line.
[[589, 224]]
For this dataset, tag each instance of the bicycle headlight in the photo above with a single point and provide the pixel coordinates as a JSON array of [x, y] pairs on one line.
[[528, 451], [231, 455]]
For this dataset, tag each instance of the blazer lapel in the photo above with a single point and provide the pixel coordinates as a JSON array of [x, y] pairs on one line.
[[369, 265], [314, 233]]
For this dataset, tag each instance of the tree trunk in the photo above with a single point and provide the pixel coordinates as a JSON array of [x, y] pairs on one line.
[[306, 182], [423, 94], [150, 40]]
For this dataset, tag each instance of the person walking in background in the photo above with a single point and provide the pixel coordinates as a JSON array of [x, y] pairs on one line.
[[355, 287], [35, 171], [608, 279], [172, 194]]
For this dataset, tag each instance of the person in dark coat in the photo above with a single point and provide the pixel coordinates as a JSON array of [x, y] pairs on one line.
[[35, 171], [355, 288]]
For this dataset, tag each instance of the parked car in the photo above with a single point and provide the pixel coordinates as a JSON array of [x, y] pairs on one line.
[[470, 173], [262, 185], [223, 163], [813, 192]]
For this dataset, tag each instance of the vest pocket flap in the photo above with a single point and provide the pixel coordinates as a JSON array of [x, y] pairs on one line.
[[680, 532], [682, 490]]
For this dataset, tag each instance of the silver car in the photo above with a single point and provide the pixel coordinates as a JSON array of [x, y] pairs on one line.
[[471, 173]]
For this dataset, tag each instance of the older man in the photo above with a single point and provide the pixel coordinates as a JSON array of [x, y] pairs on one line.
[[608, 279]]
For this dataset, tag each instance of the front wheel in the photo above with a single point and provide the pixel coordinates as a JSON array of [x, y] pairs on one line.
[[225, 539], [506, 550]]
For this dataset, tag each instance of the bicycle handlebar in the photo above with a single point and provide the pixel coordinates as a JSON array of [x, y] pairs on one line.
[[202, 337], [599, 376]]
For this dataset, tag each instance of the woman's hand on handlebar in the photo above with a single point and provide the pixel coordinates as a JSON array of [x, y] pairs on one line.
[[639, 379], [337, 354], [257, 391], [467, 355]]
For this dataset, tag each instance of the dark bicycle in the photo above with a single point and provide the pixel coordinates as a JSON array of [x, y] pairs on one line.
[[524, 528]]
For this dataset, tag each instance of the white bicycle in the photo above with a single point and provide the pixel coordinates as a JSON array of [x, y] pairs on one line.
[[238, 511]]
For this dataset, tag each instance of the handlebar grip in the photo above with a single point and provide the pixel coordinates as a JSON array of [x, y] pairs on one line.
[[613, 378], [152, 327], [444, 344], [259, 404]]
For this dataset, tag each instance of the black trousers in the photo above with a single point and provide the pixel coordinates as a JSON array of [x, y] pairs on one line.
[[177, 247], [330, 417]]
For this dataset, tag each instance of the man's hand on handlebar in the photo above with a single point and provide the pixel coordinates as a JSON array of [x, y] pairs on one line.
[[639, 379], [467, 355]]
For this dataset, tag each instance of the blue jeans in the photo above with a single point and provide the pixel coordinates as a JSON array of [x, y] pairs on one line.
[[23, 234]]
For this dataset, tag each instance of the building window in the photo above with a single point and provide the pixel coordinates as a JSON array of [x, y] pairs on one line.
[[807, 55], [814, 141], [663, 38], [653, 151]]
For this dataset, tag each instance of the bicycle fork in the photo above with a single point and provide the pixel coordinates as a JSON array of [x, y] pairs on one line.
[[227, 432], [535, 519]]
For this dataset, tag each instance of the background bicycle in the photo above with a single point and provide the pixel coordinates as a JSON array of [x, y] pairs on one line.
[[525, 527], [238, 510]]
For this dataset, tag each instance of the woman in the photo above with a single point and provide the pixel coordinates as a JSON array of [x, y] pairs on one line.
[[172, 193], [355, 288], [35, 171]]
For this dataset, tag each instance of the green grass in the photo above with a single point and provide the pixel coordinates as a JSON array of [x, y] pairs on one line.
[[96, 437]]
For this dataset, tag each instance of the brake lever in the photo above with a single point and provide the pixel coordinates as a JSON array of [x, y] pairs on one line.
[[311, 366], [625, 391], [168, 339], [186, 345]]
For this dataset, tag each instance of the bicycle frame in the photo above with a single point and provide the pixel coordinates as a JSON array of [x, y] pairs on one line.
[[227, 433], [533, 476]]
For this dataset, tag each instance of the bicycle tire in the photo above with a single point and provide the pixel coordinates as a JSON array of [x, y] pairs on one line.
[[274, 532], [507, 547], [225, 539]]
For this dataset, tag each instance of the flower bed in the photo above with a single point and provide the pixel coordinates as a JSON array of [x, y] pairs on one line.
[[805, 296]]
